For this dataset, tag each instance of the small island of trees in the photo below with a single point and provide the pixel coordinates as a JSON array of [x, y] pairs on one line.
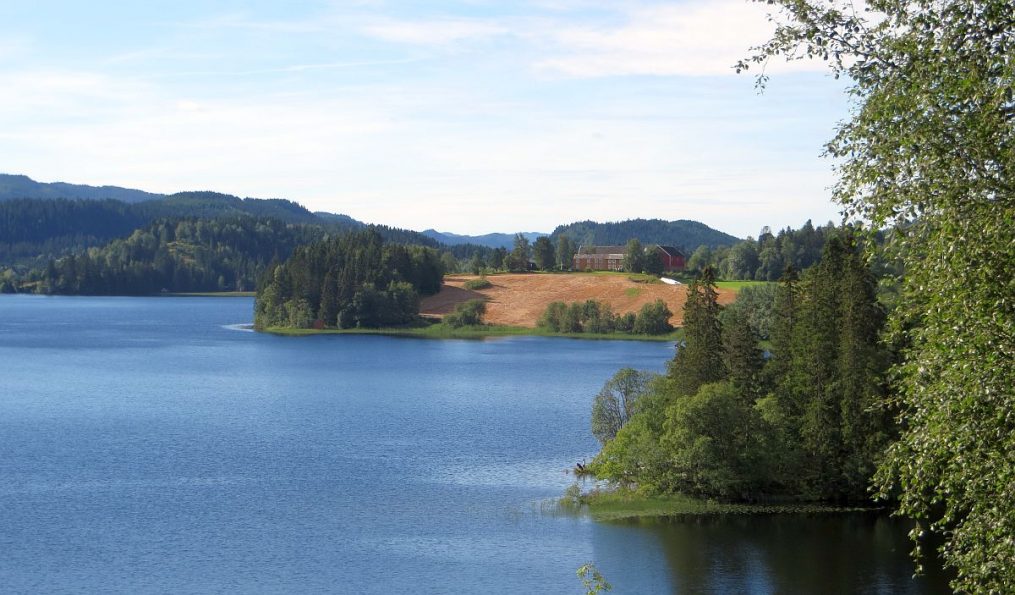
[[355, 280]]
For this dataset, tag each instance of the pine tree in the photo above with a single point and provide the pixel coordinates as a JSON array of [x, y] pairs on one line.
[[742, 357], [328, 312], [862, 362], [784, 316], [700, 359]]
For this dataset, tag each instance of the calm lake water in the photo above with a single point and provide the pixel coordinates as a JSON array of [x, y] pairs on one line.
[[148, 445]]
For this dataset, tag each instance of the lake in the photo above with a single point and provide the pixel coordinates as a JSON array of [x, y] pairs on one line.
[[153, 445]]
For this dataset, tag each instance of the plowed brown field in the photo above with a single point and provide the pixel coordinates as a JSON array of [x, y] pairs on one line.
[[520, 299]]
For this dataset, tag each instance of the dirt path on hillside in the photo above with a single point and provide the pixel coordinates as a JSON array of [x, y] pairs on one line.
[[520, 299]]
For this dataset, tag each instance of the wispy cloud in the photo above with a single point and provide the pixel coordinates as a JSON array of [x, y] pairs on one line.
[[291, 68], [700, 37], [690, 38], [243, 21], [436, 32]]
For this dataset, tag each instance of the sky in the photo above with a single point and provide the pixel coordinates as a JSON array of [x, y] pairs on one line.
[[468, 116]]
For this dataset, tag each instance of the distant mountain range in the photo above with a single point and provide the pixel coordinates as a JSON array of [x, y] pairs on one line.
[[490, 240], [108, 217], [16, 186]]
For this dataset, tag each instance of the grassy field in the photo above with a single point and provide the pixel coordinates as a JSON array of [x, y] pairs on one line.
[[738, 285], [520, 299]]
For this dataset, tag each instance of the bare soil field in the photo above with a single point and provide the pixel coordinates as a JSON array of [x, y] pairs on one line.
[[520, 299]]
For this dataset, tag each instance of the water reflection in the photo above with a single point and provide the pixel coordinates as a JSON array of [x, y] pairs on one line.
[[775, 553]]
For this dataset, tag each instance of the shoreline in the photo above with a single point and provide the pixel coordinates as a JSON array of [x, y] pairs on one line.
[[438, 331], [217, 294], [623, 504]]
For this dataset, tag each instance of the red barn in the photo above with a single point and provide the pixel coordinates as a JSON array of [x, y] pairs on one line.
[[673, 259]]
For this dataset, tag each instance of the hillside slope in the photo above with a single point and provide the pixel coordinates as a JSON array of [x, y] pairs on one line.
[[520, 299], [19, 186], [684, 234]]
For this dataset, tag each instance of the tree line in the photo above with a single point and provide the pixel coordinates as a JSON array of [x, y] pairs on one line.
[[595, 317], [763, 259], [177, 255], [766, 258], [354, 280]]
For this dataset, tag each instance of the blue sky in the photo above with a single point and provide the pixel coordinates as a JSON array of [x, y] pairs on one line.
[[471, 116]]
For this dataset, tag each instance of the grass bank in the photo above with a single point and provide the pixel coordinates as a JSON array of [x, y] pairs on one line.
[[620, 504], [738, 285], [442, 331]]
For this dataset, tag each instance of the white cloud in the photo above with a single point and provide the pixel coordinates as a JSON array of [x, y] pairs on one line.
[[689, 38], [700, 37], [435, 32]]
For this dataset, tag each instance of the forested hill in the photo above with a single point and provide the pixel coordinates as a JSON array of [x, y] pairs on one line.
[[177, 255], [17, 186], [684, 234], [35, 230]]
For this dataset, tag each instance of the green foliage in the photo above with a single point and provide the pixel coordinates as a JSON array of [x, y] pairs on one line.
[[742, 357], [699, 259], [474, 284], [715, 443], [195, 241], [634, 256], [699, 360], [498, 259], [756, 304], [572, 497], [543, 253], [592, 580], [636, 456], [724, 424], [476, 264], [766, 258], [617, 402], [624, 323], [683, 233], [931, 144], [566, 249], [350, 281], [182, 255], [518, 259], [741, 261], [653, 319], [468, 313], [31, 231], [833, 384], [653, 263], [590, 316], [597, 317]]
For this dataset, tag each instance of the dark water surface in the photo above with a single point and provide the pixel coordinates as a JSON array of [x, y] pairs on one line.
[[147, 446]]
